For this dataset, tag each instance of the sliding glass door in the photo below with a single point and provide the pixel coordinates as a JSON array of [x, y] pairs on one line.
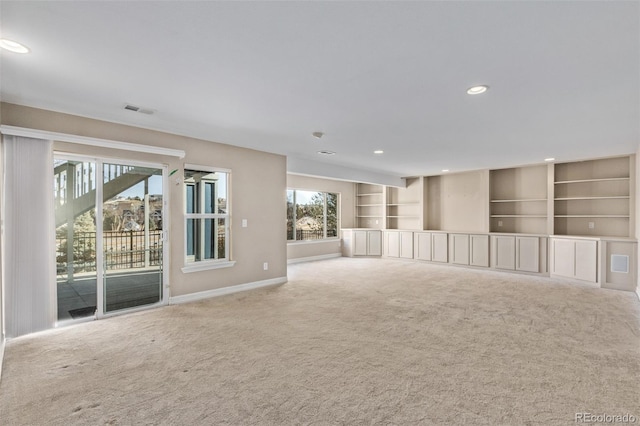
[[116, 263]]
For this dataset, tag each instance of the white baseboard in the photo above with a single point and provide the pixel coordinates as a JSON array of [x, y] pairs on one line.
[[193, 297], [313, 258], [2, 342]]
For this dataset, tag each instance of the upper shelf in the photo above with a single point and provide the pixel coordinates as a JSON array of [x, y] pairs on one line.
[[519, 200], [590, 180]]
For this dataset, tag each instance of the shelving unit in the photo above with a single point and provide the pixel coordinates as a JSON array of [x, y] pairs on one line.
[[404, 206], [370, 206], [593, 198], [518, 200]]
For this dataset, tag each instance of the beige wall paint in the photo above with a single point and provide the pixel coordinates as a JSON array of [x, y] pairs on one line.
[[346, 209], [459, 202], [637, 213], [258, 185]]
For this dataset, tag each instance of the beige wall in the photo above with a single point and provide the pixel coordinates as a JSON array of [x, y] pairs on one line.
[[637, 212], [258, 183], [458, 202], [346, 211]]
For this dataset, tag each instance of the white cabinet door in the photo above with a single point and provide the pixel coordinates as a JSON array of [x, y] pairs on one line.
[[392, 243], [374, 243], [564, 257], [505, 252], [459, 246], [528, 254], [422, 245], [406, 244], [479, 250], [439, 251], [586, 260], [360, 243]]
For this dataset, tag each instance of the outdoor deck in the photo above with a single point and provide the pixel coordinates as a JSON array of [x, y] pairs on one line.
[[123, 290]]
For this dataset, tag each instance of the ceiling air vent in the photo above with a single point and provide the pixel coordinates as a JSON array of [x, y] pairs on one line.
[[134, 108], [324, 152]]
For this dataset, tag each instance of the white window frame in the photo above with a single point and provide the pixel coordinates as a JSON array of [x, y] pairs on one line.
[[190, 265], [324, 216]]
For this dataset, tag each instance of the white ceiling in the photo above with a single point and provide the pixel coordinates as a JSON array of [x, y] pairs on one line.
[[564, 77]]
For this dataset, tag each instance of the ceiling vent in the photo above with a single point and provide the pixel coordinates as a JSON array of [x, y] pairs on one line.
[[134, 108], [324, 152]]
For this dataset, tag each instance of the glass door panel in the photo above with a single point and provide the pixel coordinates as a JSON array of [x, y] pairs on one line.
[[75, 202], [132, 236]]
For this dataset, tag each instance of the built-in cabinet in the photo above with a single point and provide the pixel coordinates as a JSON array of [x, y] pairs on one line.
[[574, 258], [573, 219], [524, 253], [361, 242], [398, 244]]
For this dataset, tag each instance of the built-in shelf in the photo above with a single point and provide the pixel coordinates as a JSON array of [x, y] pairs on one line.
[[519, 200], [615, 197], [562, 182], [593, 197], [404, 216], [368, 216], [369, 194], [369, 205], [593, 215], [519, 215]]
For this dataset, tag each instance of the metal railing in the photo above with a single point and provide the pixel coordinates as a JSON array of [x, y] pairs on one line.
[[122, 250], [306, 234]]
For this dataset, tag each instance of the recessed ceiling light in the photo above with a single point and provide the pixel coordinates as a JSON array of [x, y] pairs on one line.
[[378, 151], [324, 152], [445, 170], [476, 90], [549, 159], [13, 46], [317, 135]]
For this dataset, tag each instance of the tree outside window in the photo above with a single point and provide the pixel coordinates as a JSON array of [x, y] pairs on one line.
[[311, 215]]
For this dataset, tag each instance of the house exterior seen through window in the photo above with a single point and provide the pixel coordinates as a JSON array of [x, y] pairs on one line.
[[311, 215], [207, 215]]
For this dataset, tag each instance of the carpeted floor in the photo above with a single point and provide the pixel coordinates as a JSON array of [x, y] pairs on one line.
[[346, 341]]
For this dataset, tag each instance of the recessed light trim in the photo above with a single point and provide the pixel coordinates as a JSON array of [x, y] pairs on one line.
[[378, 151], [13, 46], [549, 159], [326, 152], [476, 90]]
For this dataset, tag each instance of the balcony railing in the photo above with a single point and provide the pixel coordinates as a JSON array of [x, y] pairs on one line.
[[122, 250], [306, 234]]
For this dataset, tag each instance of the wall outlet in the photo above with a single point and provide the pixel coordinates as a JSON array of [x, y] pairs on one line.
[[244, 223], [265, 266], [499, 223], [592, 225], [376, 221]]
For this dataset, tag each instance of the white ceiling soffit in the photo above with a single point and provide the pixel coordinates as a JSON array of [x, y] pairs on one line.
[[563, 77]]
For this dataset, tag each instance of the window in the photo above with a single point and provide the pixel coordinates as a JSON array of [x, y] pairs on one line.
[[207, 215], [311, 215]]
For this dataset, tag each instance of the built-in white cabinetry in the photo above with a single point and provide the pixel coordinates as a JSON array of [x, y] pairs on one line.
[[422, 245], [525, 253], [398, 244], [469, 249], [459, 248], [370, 205], [439, 247], [479, 250], [518, 199], [361, 242], [595, 197], [575, 258]]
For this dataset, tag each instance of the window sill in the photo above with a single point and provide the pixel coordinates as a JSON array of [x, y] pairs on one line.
[[206, 266]]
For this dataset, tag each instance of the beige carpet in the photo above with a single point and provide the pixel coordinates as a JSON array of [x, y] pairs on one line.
[[346, 341]]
